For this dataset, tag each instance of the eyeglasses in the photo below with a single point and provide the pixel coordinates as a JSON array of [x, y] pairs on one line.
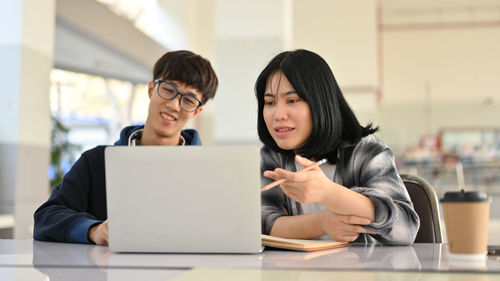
[[168, 91]]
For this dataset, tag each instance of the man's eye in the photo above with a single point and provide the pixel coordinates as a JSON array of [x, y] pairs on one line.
[[169, 90], [189, 100]]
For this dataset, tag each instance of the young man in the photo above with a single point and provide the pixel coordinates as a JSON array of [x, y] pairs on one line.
[[76, 210]]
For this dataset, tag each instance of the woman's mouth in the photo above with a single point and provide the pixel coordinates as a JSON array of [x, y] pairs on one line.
[[282, 132]]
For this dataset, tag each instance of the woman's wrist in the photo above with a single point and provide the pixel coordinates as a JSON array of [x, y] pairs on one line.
[[323, 220], [330, 195]]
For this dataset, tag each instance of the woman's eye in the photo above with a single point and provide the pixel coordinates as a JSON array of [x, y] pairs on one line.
[[293, 100], [268, 102]]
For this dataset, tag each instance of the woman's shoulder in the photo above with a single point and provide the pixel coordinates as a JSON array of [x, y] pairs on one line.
[[372, 141], [269, 154], [370, 145], [272, 158]]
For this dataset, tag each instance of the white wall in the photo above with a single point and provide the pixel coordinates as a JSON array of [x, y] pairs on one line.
[[248, 35], [343, 32], [459, 65], [438, 78]]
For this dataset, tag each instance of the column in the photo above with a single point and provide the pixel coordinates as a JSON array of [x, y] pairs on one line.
[[26, 53], [247, 35]]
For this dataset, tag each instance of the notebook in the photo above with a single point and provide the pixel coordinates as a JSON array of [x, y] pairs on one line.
[[301, 244], [190, 199]]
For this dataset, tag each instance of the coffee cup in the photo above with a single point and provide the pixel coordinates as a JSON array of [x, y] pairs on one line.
[[466, 216]]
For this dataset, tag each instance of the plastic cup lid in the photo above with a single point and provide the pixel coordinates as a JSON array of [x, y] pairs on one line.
[[465, 196]]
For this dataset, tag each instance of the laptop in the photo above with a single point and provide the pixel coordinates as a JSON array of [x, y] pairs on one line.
[[188, 199]]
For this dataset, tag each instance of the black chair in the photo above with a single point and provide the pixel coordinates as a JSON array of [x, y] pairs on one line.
[[426, 204]]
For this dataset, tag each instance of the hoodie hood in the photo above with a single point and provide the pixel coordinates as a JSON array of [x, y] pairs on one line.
[[190, 135]]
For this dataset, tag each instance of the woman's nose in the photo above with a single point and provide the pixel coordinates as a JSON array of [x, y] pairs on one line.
[[281, 111]]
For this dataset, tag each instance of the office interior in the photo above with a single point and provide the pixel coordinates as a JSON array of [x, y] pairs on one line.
[[74, 72]]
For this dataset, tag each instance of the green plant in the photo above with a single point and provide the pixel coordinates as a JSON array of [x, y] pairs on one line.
[[61, 152]]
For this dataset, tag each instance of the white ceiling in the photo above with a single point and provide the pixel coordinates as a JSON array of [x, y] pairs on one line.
[[439, 11], [92, 39], [422, 5], [78, 52]]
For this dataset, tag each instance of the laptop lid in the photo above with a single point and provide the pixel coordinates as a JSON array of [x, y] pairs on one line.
[[190, 199]]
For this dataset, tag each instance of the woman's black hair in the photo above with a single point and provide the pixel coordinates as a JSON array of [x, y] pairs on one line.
[[333, 120]]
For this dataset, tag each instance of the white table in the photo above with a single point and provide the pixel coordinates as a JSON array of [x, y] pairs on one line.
[[60, 261]]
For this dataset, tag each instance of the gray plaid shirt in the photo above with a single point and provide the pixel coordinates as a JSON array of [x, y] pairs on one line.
[[371, 171]]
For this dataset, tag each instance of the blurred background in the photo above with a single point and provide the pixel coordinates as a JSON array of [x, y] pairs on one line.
[[74, 72]]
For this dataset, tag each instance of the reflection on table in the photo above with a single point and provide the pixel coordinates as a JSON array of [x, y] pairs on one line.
[[354, 257], [37, 260]]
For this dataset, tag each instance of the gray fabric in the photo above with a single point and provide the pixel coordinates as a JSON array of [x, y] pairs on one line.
[[371, 171], [329, 171]]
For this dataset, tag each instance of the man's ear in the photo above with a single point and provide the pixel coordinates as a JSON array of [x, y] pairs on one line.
[[151, 86], [200, 109]]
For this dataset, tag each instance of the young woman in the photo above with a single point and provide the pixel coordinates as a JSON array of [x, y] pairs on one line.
[[358, 194]]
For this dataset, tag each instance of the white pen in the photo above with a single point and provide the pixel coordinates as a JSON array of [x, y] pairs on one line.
[[278, 182]]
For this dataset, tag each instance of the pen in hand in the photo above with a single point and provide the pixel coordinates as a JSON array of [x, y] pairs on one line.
[[278, 182]]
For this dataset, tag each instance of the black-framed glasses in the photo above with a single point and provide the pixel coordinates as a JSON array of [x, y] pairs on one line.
[[168, 91]]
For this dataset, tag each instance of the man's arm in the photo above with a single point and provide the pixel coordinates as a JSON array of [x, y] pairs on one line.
[[72, 208]]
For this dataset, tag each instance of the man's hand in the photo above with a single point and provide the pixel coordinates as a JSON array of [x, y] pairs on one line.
[[99, 233], [343, 228]]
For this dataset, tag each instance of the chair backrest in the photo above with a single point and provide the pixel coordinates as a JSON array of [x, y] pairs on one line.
[[426, 204]]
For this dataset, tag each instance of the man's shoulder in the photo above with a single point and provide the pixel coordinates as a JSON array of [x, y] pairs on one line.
[[96, 150], [191, 136], [126, 132], [95, 153]]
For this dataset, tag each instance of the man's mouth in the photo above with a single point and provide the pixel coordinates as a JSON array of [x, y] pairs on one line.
[[168, 116]]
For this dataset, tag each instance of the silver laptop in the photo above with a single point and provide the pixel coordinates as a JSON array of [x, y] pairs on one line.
[[192, 199]]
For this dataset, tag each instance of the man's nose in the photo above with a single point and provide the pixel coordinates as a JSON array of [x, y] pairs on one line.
[[175, 103]]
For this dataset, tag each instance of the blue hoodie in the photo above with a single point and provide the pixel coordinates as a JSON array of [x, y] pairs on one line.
[[79, 202]]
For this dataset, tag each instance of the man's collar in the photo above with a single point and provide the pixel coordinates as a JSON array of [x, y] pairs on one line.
[[135, 138]]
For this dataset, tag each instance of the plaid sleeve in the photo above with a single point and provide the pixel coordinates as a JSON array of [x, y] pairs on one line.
[[396, 222]]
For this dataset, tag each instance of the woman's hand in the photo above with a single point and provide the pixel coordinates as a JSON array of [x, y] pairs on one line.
[[302, 186], [99, 233], [343, 228]]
